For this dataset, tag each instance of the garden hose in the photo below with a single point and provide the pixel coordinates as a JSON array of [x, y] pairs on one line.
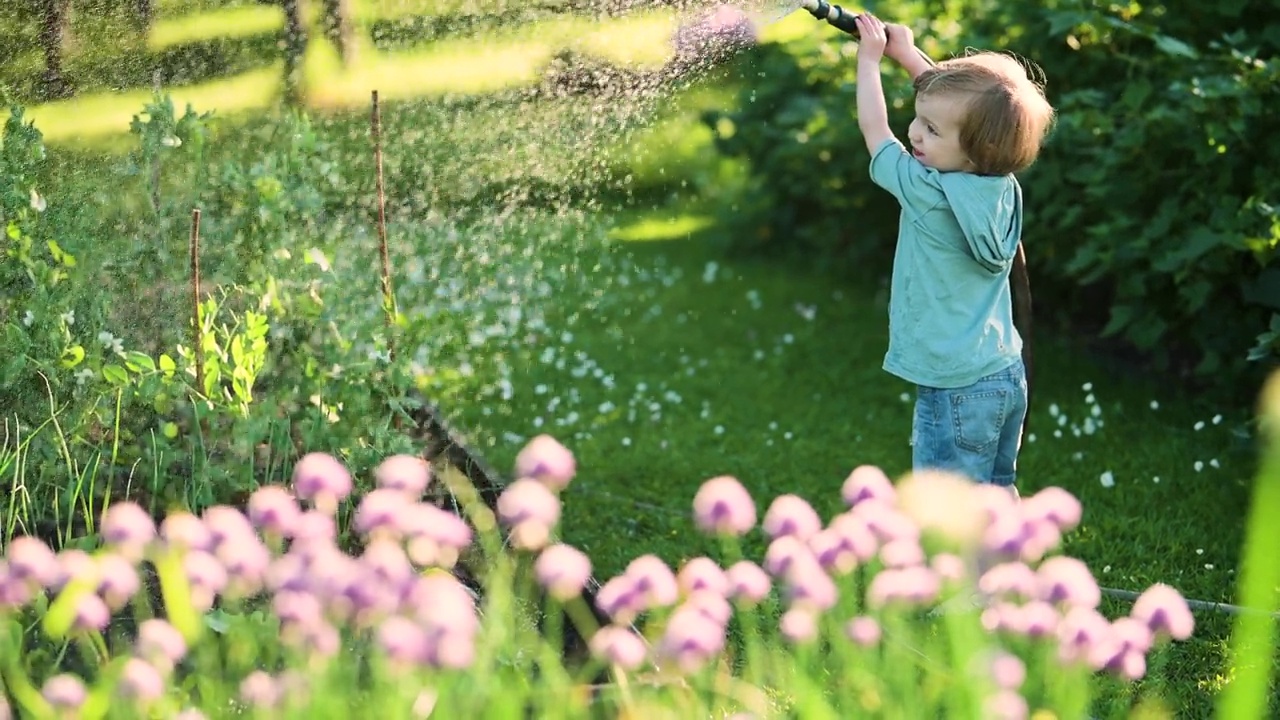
[[844, 20]]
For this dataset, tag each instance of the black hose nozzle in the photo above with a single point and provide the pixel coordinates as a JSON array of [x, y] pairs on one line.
[[837, 16]]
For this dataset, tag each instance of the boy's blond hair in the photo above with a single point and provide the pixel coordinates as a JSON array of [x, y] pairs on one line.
[[1007, 116]]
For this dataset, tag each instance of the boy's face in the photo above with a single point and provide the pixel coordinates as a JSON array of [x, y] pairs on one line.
[[935, 133]]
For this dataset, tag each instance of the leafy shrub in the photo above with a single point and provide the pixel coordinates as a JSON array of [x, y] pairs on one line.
[[1152, 214]]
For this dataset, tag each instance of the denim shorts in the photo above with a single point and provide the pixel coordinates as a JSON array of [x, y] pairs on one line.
[[974, 430]]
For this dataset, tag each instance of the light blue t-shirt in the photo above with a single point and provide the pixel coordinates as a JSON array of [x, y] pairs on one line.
[[950, 307]]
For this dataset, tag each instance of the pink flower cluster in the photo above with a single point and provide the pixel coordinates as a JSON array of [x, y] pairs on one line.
[[421, 617], [919, 541], [928, 537]]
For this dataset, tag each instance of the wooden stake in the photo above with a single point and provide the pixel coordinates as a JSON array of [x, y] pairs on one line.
[[388, 297], [197, 332]]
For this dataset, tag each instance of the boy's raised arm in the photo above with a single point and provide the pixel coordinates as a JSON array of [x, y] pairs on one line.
[[873, 115]]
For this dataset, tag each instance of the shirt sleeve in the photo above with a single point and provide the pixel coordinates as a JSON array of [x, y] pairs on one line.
[[907, 179]]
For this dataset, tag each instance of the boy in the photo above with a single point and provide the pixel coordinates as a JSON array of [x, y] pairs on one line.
[[979, 119]]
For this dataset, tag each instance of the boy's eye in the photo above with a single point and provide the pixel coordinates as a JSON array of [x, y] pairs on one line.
[[933, 130]]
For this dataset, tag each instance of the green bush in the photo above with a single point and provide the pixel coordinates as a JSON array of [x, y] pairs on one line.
[[1152, 212]]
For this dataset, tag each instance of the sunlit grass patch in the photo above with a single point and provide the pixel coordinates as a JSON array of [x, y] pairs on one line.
[[87, 118], [229, 24], [678, 227]]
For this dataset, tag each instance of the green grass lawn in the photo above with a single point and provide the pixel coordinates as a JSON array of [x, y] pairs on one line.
[[661, 363]]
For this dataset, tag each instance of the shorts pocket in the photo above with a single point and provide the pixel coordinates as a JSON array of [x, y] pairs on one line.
[[979, 417]]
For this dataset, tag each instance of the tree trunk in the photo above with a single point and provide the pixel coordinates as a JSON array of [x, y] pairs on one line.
[[339, 30], [55, 26], [295, 47]]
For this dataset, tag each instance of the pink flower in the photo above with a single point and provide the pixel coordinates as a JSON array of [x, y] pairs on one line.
[[528, 500], [314, 526], [910, 586], [833, 551], [160, 644], [64, 692], [791, 515], [723, 506], [868, 482], [782, 552], [712, 605], [901, 553], [404, 473], [690, 640], [118, 580], [563, 570], [274, 510], [618, 646], [863, 630], [380, 512], [74, 564], [1067, 580], [856, 535], [530, 535], [141, 681], [620, 599], [1083, 633], [949, 566], [1037, 619], [748, 583], [1010, 579], [450, 649], [809, 586], [798, 625], [184, 531], [1006, 705], [1055, 505], [442, 604], [885, 521], [547, 461], [321, 478], [654, 581], [1008, 671], [442, 526], [92, 614], [31, 562], [404, 641], [702, 573], [128, 527], [1164, 611], [226, 523], [246, 561], [259, 690]]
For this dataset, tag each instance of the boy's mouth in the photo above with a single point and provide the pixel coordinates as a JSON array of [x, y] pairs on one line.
[[916, 151]]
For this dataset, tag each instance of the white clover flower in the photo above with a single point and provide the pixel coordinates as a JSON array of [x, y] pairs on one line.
[[29, 318], [69, 317], [1199, 425], [1155, 404], [1108, 479]]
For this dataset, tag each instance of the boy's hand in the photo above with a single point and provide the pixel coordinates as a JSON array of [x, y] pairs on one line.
[[872, 38], [901, 44]]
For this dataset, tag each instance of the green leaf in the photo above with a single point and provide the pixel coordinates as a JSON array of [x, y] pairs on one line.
[[1173, 46], [167, 365], [1121, 316], [139, 362], [71, 357], [115, 374]]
